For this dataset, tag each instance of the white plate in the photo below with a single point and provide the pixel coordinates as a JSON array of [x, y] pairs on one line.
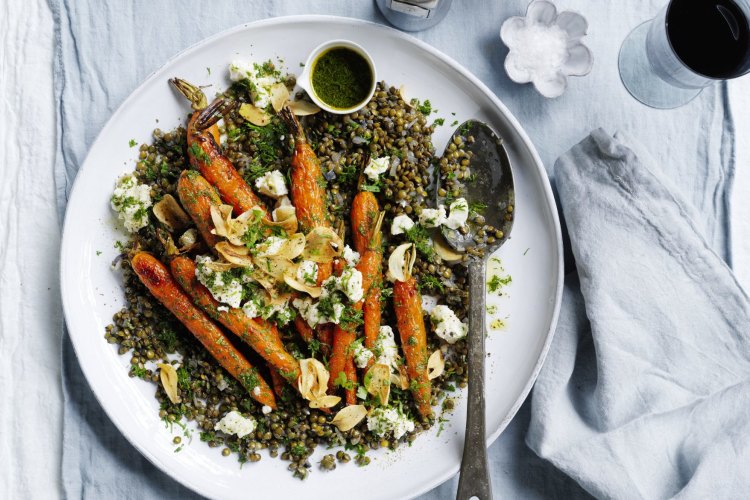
[[92, 292]]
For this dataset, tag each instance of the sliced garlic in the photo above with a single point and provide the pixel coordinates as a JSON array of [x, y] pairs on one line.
[[444, 250], [322, 245], [279, 96], [435, 365], [290, 278], [254, 115], [303, 108], [325, 402], [347, 418], [170, 213], [168, 376], [237, 255], [378, 382], [400, 262]]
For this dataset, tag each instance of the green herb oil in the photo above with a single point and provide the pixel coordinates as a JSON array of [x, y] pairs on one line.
[[341, 78]]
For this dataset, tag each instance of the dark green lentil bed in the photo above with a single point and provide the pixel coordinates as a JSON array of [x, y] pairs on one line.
[[386, 126]]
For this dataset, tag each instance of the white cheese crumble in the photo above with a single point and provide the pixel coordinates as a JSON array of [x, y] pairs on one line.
[[459, 213], [256, 391], [446, 324], [432, 217], [401, 224], [310, 313], [260, 80], [131, 202], [272, 184], [251, 308], [223, 286], [377, 166], [386, 349], [307, 272], [350, 256], [384, 421], [234, 423], [266, 409], [362, 355], [350, 282]]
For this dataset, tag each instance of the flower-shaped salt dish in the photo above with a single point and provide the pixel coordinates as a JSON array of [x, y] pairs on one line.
[[545, 48]]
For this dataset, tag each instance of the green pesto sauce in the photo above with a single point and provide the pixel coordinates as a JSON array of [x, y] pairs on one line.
[[341, 78]]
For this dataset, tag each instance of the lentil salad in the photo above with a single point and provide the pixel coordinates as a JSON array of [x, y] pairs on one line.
[[388, 127]]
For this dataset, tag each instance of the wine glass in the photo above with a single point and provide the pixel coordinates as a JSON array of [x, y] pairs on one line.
[[689, 45]]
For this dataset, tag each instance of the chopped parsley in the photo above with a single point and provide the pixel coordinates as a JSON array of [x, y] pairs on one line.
[[438, 122], [494, 284], [421, 240], [477, 207], [197, 151], [132, 143], [430, 282]]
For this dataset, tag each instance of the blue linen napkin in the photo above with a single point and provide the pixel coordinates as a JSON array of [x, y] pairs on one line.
[[646, 390], [140, 35]]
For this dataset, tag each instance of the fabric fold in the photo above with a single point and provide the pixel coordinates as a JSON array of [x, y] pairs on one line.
[[647, 381]]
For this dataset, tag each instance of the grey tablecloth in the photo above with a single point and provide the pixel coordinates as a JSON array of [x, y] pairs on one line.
[[105, 48]]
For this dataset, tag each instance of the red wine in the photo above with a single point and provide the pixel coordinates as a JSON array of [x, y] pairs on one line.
[[711, 37]]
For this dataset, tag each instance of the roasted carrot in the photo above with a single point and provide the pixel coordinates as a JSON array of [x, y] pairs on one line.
[[338, 363], [278, 383], [325, 337], [408, 306], [303, 329], [197, 196], [262, 336], [206, 155], [160, 283], [365, 220], [308, 185]]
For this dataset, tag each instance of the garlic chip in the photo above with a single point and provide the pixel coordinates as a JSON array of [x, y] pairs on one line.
[[239, 256], [221, 217], [323, 244], [279, 96], [254, 115], [400, 262], [349, 417], [303, 108], [402, 95], [275, 267], [168, 376], [290, 278], [378, 382], [444, 250], [219, 267], [313, 380], [285, 217], [325, 402], [170, 213], [403, 378], [435, 365]]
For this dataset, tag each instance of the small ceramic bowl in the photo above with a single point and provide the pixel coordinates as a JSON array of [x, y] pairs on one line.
[[305, 79], [545, 48]]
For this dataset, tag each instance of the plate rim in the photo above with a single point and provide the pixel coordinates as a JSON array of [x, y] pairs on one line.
[[546, 186]]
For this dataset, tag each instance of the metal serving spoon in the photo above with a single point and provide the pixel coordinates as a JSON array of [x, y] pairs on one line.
[[492, 186]]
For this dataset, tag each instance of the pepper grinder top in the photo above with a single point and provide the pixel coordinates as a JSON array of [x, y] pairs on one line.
[[414, 15]]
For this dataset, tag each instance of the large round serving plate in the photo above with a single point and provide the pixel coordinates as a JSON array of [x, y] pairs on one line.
[[92, 291]]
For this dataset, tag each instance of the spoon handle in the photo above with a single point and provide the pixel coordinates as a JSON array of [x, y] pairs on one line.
[[475, 478]]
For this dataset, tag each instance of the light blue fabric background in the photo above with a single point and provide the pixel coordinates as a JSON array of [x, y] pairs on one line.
[[106, 48]]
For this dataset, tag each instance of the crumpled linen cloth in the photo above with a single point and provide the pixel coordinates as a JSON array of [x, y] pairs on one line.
[[105, 49], [646, 390]]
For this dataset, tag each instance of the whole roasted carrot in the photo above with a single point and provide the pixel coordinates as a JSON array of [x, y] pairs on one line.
[[205, 153], [366, 221], [262, 336], [308, 185], [160, 283], [197, 196], [338, 363], [408, 306]]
